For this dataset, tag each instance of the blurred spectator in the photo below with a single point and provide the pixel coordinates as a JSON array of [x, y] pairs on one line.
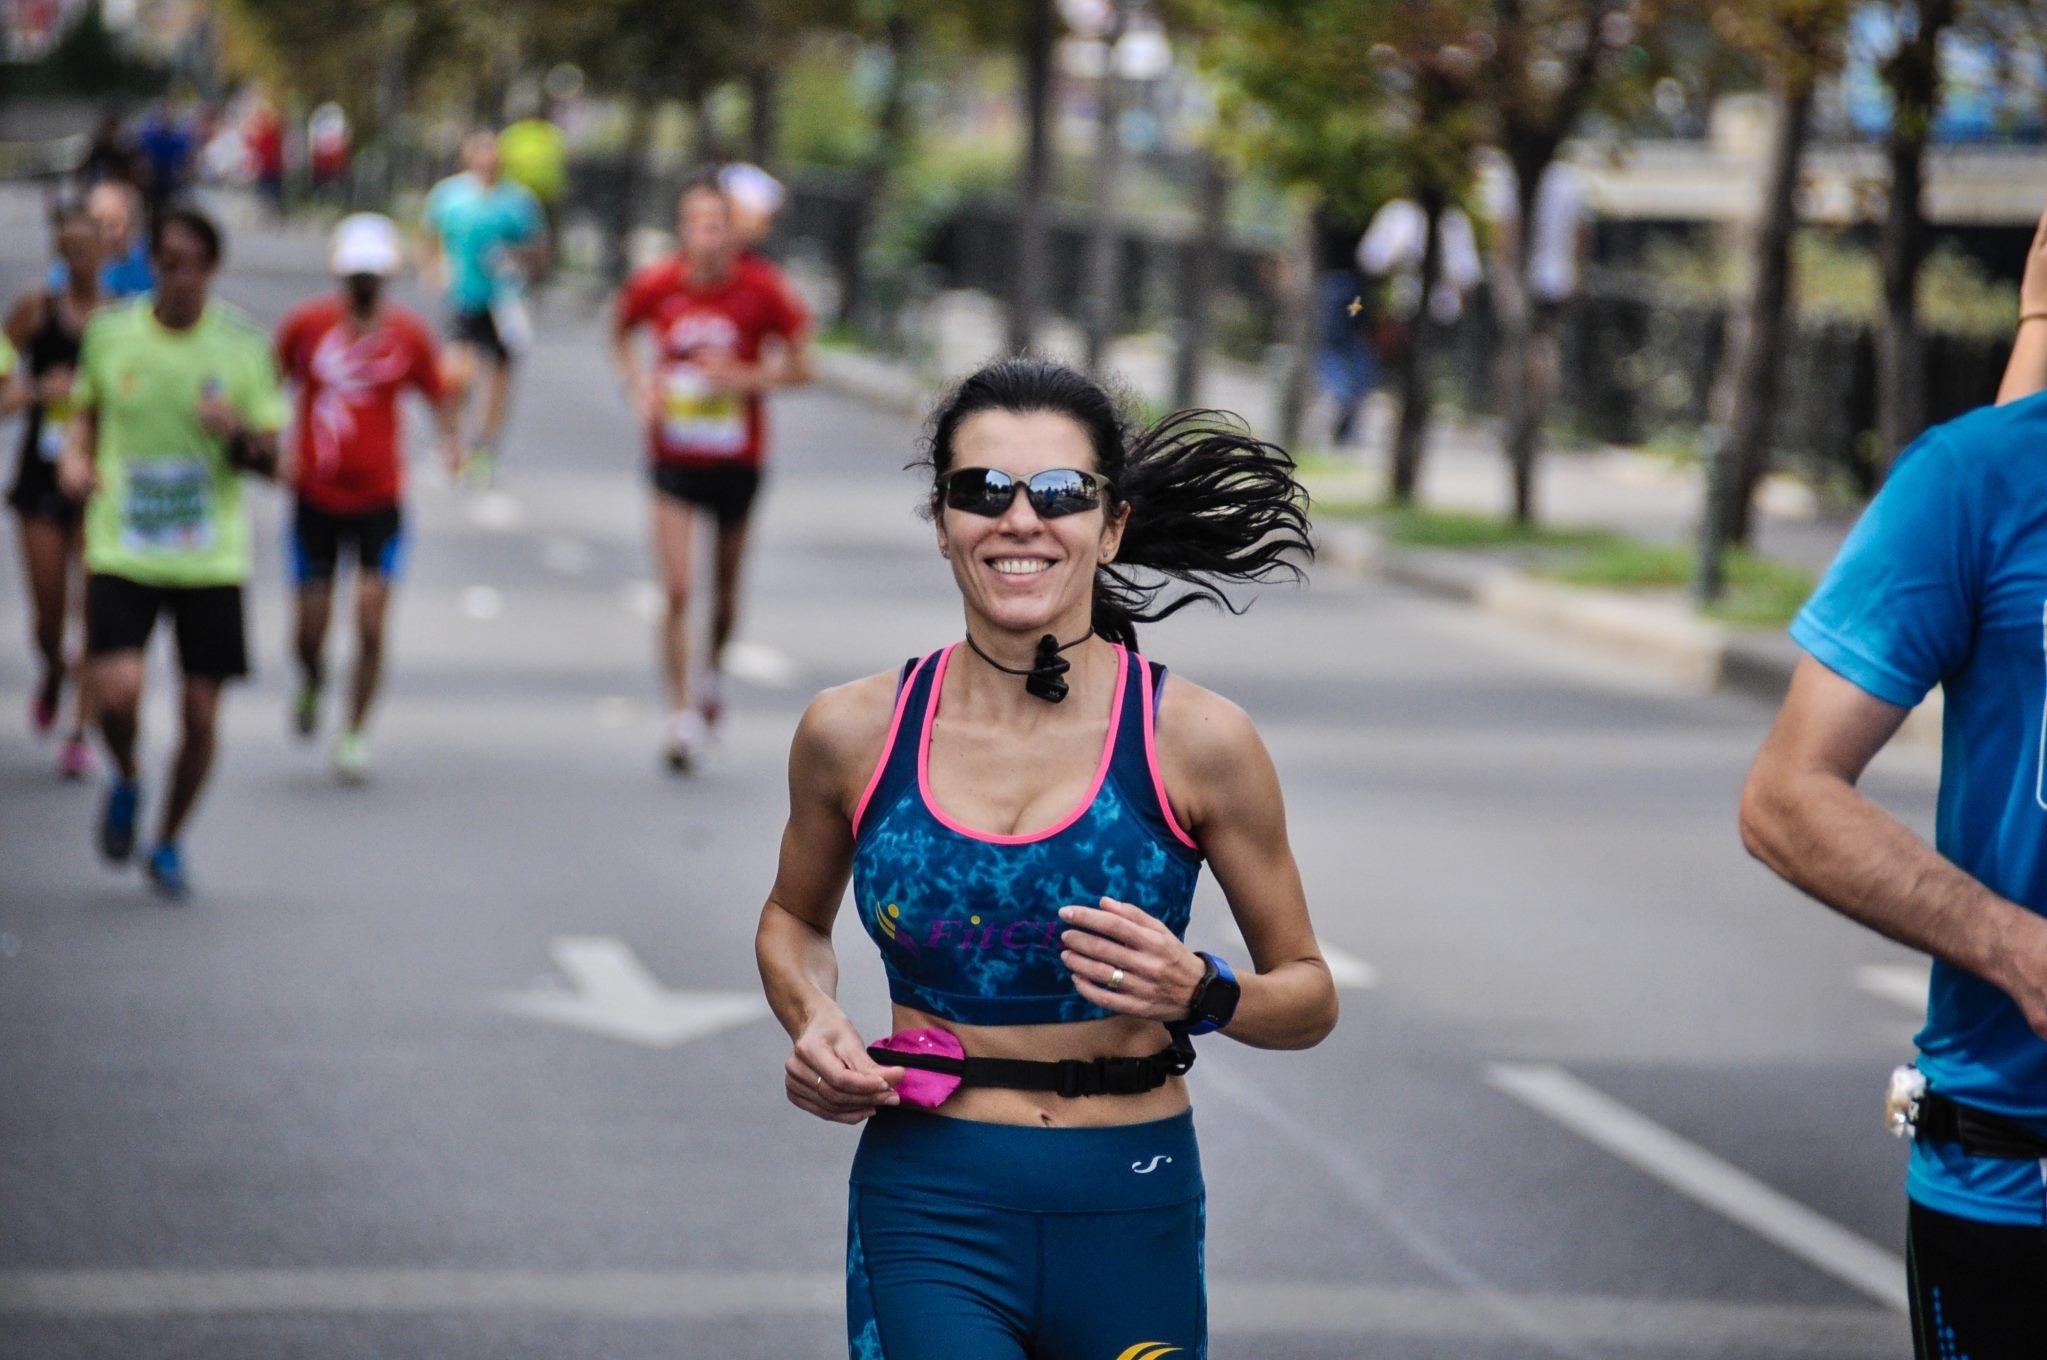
[[1390, 256], [327, 146], [167, 138], [263, 134], [1345, 366], [111, 155], [116, 209], [755, 197], [533, 154]]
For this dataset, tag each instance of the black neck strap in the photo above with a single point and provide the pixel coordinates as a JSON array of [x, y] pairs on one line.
[[1046, 675]]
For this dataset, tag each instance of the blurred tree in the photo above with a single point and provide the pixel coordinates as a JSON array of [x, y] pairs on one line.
[[1796, 43], [1911, 72], [1037, 30], [1550, 63], [1354, 103]]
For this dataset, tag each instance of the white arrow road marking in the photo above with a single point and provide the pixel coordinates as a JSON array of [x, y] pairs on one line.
[[1345, 968], [760, 664], [1698, 1174], [1904, 983], [613, 994]]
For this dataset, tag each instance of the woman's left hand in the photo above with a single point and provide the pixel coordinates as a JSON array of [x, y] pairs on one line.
[[1159, 973]]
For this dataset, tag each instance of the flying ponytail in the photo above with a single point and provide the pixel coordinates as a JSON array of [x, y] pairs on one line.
[[1210, 505]]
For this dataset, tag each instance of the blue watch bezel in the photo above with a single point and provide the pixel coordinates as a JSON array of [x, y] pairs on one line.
[[1227, 974]]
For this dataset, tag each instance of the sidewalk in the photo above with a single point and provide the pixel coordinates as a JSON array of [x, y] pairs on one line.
[[1641, 495]]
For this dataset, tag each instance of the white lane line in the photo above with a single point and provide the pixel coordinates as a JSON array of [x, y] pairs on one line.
[[1345, 968], [616, 710], [1698, 1174], [612, 993], [1904, 983], [1283, 1307], [482, 602]]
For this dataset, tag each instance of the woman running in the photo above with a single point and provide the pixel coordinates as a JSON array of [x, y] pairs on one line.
[[46, 327], [1023, 815]]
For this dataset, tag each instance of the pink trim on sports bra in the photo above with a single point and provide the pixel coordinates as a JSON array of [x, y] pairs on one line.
[[1151, 758], [1101, 771], [888, 747]]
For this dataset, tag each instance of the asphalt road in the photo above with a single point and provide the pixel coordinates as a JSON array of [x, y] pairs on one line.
[[1602, 1087]]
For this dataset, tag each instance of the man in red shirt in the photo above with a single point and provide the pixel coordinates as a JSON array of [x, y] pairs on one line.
[[727, 329], [350, 354]]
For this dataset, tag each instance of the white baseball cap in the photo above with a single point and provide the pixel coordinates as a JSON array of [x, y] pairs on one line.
[[366, 243], [753, 188]]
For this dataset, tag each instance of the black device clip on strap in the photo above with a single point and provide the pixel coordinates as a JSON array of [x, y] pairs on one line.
[[1981, 1133]]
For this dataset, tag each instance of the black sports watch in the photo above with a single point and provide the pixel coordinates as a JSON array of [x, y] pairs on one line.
[[1215, 996]]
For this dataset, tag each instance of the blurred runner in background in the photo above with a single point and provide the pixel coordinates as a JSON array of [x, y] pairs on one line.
[[350, 354], [46, 326], [177, 398], [756, 197], [115, 207], [727, 330], [536, 157], [484, 239]]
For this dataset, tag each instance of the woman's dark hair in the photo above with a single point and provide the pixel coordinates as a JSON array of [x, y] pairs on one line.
[[1210, 505], [187, 219]]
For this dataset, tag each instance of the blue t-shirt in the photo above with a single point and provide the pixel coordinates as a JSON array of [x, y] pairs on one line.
[[129, 276], [477, 224], [1944, 582]]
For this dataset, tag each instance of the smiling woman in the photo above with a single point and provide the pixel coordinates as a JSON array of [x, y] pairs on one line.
[[1024, 855]]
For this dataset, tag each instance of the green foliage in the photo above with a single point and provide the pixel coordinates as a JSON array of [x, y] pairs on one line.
[[825, 120], [1761, 591], [86, 61], [1839, 278]]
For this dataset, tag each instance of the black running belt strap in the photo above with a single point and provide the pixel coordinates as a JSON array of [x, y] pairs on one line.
[[1067, 1077], [1981, 1133]]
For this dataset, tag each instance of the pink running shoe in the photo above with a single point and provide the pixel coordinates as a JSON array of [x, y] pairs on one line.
[[74, 762]]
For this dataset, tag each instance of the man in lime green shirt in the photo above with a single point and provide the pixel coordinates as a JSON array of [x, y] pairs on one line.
[[177, 399]]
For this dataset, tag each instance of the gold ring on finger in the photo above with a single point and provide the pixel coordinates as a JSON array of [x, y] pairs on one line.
[[1116, 980]]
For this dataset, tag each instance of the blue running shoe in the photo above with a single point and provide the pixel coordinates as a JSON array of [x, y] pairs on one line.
[[167, 873], [117, 820]]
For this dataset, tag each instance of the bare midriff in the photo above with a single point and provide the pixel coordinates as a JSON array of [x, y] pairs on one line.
[[1116, 1037]]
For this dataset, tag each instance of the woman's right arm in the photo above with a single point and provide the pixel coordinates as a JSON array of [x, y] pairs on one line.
[[828, 1072]]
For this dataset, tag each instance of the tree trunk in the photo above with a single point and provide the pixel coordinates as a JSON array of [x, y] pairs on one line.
[[1298, 331], [1198, 278], [1913, 75], [892, 128], [1102, 290], [632, 174], [1411, 374], [761, 127], [1758, 353], [1027, 301]]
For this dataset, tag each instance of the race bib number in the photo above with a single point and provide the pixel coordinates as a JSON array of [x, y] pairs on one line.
[[697, 418], [169, 506]]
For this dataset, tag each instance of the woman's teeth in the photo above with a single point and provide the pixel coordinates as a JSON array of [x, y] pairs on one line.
[[1021, 566]]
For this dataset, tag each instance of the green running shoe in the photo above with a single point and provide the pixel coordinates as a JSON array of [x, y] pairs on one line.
[[305, 712], [352, 758]]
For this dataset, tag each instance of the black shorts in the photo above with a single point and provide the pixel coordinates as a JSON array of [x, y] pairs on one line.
[[376, 540], [36, 495], [479, 330], [1978, 1289], [727, 492], [120, 614]]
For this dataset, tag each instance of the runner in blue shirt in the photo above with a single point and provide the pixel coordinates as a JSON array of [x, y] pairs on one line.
[[485, 237], [1944, 582]]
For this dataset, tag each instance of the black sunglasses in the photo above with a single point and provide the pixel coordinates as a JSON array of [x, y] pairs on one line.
[[1053, 492]]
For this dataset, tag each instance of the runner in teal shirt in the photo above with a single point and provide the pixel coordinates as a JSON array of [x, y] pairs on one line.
[[486, 235]]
